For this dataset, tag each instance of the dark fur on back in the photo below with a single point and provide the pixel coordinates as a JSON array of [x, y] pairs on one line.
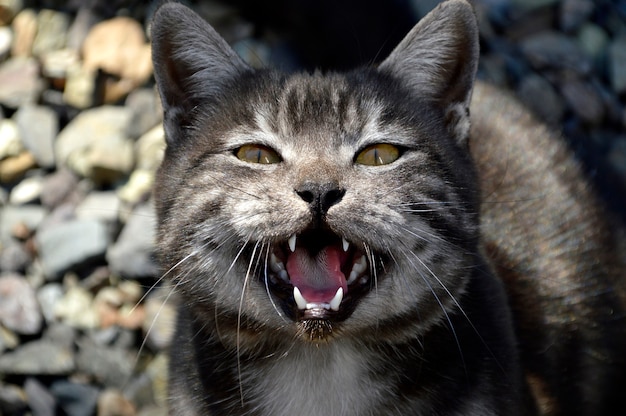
[[268, 204]]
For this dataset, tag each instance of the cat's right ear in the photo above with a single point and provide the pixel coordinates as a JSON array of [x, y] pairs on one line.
[[192, 63]]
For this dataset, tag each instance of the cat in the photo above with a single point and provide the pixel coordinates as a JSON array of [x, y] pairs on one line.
[[357, 244]]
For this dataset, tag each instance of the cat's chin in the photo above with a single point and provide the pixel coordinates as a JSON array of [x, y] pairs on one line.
[[318, 279]]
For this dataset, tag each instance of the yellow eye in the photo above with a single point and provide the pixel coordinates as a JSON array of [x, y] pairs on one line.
[[378, 154], [257, 153]]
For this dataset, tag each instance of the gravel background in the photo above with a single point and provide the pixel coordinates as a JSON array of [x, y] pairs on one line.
[[84, 321]]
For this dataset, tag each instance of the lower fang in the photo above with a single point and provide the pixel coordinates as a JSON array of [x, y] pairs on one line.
[[297, 296], [334, 304]]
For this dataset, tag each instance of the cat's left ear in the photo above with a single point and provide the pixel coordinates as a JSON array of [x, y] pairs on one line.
[[438, 60]]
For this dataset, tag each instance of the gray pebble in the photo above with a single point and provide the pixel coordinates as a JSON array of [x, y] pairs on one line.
[[40, 357], [71, 245], [38, 127]]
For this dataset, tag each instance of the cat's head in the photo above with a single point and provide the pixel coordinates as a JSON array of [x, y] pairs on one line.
[[317, 205]]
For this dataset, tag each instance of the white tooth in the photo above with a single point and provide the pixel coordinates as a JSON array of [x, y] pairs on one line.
[[360, 265], [353, 276], [334, 304], [275, 264], [292, 243], [300, 301], [345, 243], [284, 275]]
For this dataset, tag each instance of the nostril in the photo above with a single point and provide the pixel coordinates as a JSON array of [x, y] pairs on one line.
[[320, 197], [307, 196]]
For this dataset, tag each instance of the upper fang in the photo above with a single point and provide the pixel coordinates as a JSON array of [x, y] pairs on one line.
[[292, 243], [345, 244]]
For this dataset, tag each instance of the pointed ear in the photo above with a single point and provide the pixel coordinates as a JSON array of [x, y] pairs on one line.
[[438, 60], [192, 62]]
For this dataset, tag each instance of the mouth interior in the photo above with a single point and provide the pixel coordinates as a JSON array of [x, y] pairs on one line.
[[322, 271]]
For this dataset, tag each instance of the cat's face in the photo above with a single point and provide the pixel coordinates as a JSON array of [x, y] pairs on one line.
[[311, 206]]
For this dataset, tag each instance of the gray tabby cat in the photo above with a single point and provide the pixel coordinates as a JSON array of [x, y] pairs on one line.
[[333, 257]]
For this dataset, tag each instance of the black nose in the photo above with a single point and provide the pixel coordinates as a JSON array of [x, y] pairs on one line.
[[320, 197]]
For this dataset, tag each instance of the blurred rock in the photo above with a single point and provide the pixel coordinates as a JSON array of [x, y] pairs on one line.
[[20, 82], [11, 216], [132, 255], [110, 366], [49, 296], [12, 400], [540, 96], [556, 51], [584, 100], [617, 64], [51, 31], [58, 187], [118, 47], [75, 309], [96, 145], [10, 141], [75, 399], [14, 258], [71, 245], [113, 403], [8, 10], [19, 310], [6, 40], [99, 205], [160, 318], [40, 400], [594, 41], [80, 87], [27, 191], [574, 13], [150, 148], [146, 108], [15, 167], [24, 29], [40, 357]]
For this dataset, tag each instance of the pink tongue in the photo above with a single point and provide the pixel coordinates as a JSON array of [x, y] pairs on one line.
[[318, 278]]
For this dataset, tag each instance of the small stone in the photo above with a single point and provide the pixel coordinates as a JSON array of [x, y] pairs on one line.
[[71, 245], [75, 309], [19, 310], [11, 216], [12, 400], [617, 64], [99, 205], [112, 402], [14, 258], [541, 97], [27, 191], [160, 318], [10, 141], [549, 49], [138, 188], [8, 10], [584, 100], [40, 357], [593, 40], [6, 39], [150, 148], [57, 63], [58, 187], [25, 30], [15, 167], [95, 144], [40, 401], [51, 31], [49, 296], [80, 87], [20, 82], [9, 340], [75, 399], [146, 107], [118, 47], [108, 365], [573, 13], [132, 255], [38, 126], [532, 4], [617, 157]]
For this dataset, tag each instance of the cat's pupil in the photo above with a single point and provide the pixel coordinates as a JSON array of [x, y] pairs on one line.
[[378, 154], [257, 153]]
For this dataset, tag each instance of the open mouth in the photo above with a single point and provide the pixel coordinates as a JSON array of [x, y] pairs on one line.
[[318, 275]]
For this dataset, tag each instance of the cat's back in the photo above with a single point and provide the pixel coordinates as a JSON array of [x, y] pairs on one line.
[[551, 241]]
